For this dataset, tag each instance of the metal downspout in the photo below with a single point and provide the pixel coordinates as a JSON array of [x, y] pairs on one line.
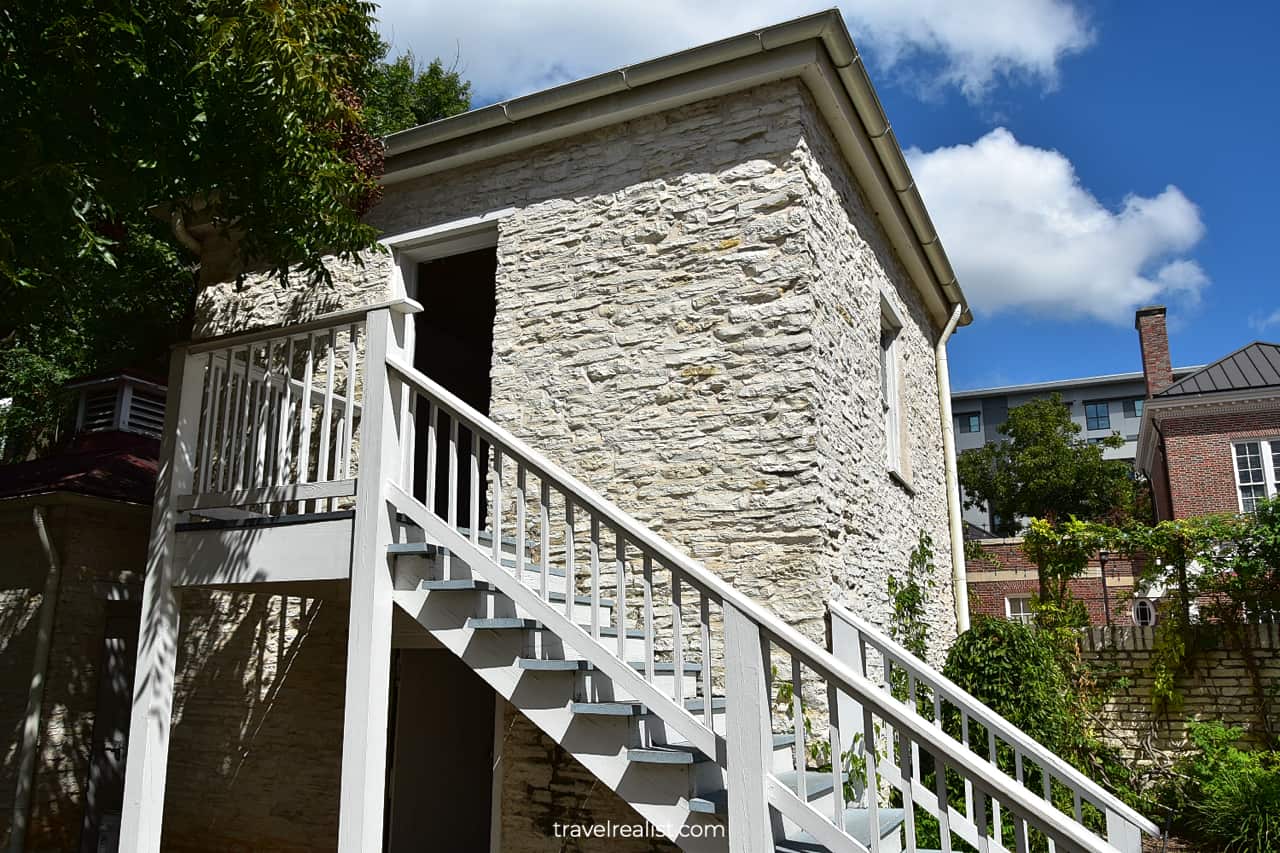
[[959, 585], [35, 694]]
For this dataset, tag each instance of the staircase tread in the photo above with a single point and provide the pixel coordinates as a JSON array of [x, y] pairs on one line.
[[818, 783], [502, 623], [553, 665], [455, 584], [856, 823], [613, 632], [673, 754], [575, 664], [712, 802], [695, 705], [418, 549], [610, 709], [558, 597]]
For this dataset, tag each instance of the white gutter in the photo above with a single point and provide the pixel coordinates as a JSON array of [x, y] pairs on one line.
[[725, 66], [35, 694], [955, 523]]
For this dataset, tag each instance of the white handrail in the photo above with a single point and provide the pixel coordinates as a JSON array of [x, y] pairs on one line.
[[333, 319], [1005, 730], [985, 778]]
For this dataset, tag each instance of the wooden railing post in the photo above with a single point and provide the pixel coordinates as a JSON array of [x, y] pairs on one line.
[[152, 712], [1123, 835], [748, 736], [368, 681]]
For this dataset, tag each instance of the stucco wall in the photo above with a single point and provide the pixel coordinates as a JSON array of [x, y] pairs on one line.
[[688, 320], [21, 585]]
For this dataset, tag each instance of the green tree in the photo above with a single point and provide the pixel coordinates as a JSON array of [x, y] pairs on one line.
[[246, 116], [1044, 469], [241, 113], [404, 94]]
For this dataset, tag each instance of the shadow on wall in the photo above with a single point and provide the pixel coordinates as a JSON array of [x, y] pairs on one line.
[[20, 597], [255, 755]]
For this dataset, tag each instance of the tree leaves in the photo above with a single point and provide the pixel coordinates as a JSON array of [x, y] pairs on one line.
[[1044, 469]]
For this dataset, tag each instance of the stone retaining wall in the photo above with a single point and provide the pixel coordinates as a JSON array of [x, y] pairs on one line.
[[1217, 688]]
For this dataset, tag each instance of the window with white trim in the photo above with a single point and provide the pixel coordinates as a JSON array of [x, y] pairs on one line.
[[1017, 608], [1257, 465], [890, 391], [1144, 612]]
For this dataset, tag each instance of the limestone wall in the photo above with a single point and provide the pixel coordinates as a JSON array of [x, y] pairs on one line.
[[871, 521], [1217, 688], [255, 754], [688, 320]]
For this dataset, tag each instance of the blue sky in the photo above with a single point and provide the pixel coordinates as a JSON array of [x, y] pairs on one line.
[[1079, 158]]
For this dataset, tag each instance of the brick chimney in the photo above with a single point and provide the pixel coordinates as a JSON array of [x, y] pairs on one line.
[[1157, 369]]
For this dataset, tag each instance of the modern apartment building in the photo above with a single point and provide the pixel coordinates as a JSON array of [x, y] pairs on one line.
[[1101, 405]]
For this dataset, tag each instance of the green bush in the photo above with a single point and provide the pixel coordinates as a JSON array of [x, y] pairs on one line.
[[1231, 797], [1014, 670]]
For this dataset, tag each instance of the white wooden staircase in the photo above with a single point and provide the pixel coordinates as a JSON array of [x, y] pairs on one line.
[[715, 720]]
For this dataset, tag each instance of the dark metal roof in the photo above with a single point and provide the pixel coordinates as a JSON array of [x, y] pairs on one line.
[[118, 466], [1251, 367]]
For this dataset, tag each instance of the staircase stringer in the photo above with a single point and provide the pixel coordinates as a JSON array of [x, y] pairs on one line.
[[649, 789]]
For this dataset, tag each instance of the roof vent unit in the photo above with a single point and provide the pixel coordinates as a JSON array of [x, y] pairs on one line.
[[121, 402]]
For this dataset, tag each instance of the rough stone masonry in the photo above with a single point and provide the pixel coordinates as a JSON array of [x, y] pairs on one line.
[[688, 318]]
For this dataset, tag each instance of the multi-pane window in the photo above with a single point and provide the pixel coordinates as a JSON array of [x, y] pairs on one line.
[[890, 396], [1017, 608], [1097, 415], [1144, 612], [970, 422], [1257, 470], [1133, 408]]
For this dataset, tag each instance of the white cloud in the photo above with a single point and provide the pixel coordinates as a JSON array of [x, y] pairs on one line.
[[978, 41], [512, 47], [1024, 233], [1261, 323]]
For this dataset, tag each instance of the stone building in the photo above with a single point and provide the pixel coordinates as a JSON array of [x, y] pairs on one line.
[[509, 531]]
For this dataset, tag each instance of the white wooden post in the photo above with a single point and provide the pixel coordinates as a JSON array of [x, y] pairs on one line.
[[1123, 835], [846, 645], [152, 712], [748, 738], [368, 683]]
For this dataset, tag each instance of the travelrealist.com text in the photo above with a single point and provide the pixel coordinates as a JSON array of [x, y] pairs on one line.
[[609, 829]]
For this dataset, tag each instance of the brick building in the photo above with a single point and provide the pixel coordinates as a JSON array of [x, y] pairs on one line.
[[1209, 442], [1002, 583]]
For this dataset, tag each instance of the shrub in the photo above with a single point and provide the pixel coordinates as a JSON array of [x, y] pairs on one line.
[[1231, 798], [1015, 671]]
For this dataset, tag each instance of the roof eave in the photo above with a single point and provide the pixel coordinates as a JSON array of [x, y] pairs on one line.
[[834, 74]]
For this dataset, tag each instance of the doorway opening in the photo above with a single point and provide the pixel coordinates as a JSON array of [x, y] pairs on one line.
[[440, 791], [454, 346]]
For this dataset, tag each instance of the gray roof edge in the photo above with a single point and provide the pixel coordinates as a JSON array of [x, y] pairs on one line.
[[1053, 384], [827, 26], [1165, 394]]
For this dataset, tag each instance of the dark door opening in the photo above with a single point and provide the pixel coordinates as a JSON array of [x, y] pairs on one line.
[[104, 790], [454, 334], [441, 779]]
